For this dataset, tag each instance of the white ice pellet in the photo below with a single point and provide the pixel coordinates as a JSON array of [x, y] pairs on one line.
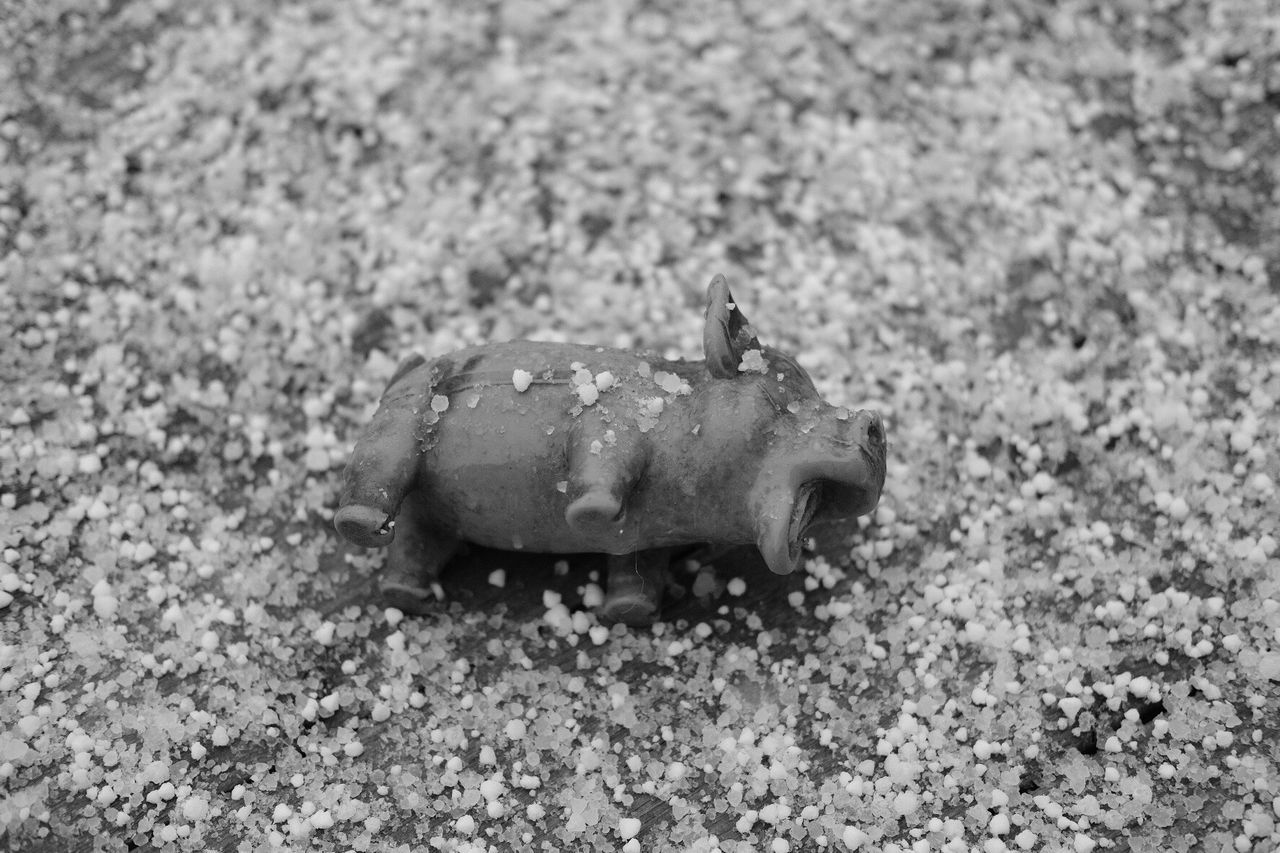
[[854, 838], [105, 606], [521, 379], [465, 825], [628, 828], [906, 803], [195, 808], [979, 467], [588, 394], [491, 788], [737, 587], [439, 404], [604, 380], [753, 362], [670, 383], [516, 729], [324, 634]]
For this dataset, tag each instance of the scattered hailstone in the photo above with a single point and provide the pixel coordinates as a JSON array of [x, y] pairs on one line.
[[105, 602], [979, 467], [498, 578], [628, 828], [604, 380], [753, 362], [588, 394], [324, 634], [668, 382], [492, 788], [521, 379], [439, 404], [196, 808]]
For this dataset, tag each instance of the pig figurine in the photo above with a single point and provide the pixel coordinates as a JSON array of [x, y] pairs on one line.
[[563, 448]]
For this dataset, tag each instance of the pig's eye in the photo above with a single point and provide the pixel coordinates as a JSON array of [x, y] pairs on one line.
[[875, 434]]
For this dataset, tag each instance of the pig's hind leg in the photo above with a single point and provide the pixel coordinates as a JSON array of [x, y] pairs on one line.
[[410, 578]]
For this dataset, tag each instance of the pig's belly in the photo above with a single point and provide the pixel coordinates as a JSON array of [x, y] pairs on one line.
[[509, 489], [512, 506], [496, 473]]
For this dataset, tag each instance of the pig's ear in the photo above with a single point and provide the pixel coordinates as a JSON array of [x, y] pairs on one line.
[[726, 335]]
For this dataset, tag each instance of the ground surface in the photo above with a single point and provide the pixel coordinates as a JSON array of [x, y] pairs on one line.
[[1042, 239]]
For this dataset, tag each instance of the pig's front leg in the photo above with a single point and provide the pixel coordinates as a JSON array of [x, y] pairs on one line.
[[633, 594], [605, 463]]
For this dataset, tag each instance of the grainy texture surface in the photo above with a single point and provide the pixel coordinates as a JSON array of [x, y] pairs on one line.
[[1042, 238]]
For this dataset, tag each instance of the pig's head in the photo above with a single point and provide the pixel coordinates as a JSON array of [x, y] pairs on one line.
[[820, 463]]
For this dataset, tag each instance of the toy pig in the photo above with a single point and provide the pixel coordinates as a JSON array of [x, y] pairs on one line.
[[563, 448]]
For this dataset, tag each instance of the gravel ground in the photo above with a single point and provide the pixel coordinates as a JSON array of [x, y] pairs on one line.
[[1043, 239]]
